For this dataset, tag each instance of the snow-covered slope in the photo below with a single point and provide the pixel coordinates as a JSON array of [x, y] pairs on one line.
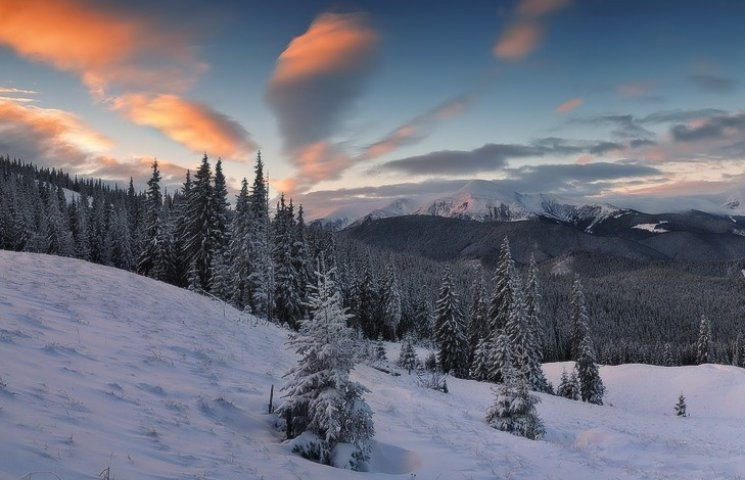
[[104, 367]]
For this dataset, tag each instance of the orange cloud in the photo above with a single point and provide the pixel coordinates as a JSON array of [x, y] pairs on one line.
[[48, 135], [334, 43], [518, 41], [192, 124], [569, 105], [102, 47], [526, 31], [537, 8]]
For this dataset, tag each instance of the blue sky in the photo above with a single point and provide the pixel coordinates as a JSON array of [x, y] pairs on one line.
[[503, 90]]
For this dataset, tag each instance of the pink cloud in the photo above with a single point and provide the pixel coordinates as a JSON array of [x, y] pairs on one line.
[[569, 105]]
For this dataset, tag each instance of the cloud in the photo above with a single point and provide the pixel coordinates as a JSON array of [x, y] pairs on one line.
[[318, 75], [518, 41], [192, 124], [102, 47], [488, 157], [710, 82], [525, 32], [715, 127], [16, 91], [132, 65], [138, 168], [417, 128], [48, 136], [569, 105]]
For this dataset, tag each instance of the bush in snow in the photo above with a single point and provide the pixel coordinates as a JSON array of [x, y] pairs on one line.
[[430, 363], [514, 408], [680, 407], [569, 385], [434, 380], [327, 417], [407, 359]]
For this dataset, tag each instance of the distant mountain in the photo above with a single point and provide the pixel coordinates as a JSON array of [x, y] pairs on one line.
[[481, 200]]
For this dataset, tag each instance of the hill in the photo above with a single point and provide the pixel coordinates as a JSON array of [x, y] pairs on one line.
[[103, 367]]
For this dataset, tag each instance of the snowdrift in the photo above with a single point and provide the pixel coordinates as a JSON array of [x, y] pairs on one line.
[[107, 368]]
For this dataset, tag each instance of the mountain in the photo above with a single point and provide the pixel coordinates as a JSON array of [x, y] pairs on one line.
[[482, 200], [105, 368], [690, 237]]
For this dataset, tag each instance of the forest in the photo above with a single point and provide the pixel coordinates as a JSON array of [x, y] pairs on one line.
[[259, 255]]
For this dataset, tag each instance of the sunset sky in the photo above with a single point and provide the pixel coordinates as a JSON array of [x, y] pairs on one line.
[[363, 101]]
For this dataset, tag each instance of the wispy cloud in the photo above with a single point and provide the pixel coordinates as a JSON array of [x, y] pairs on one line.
[[418, 127], [316, 80], [195, 125], [569, 105], [526, 31]]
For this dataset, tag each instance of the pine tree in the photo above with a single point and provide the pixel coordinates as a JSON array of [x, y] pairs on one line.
[[407, 358], [514, 409], [380, 353], [152, 226], [703, 346], [324, 409], [534, 331], [198, 241], [503, 296], [477, 327], [501, 359], [450, 337], [221, 212], [578, 322], [569, 385], [591, 385], [287, 295], [219, 276], [681, 409], [667, 355], [481, 359], [391, 299], [240, 252]]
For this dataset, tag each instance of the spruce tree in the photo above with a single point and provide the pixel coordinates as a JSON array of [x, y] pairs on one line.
[[514, 409], [477, 327], [390, 297], [738, 350], [569, 385], [407, 358], [221, 212], [322, 406], [503, 296], [481, 360], [501, 358], [240, 252], [591, 385], [199, 236], [578, 322], [151, 234], [449, 333], [534, 331], [703, 345], [287, 294]]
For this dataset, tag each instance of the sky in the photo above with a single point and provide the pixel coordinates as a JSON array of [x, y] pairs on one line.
[[361, 102]]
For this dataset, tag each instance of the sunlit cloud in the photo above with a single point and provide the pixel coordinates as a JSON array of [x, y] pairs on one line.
[[525, 33], [192, 124], [48, 136], [316, 80], [569, 105]]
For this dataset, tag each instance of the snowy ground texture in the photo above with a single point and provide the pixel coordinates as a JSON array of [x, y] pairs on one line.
[[106, 368]]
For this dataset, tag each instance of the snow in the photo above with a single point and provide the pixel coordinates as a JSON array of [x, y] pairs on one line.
[[651, 227], [104, 367]]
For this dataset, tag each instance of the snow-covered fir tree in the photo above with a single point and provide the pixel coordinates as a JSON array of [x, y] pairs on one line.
[[502, 296], [738, 350], [578, 322], [380, 353], [151, 250], [477, 326], [501, 358], [681, 409], [199, 236], [327, 416], [591, 385], [703, 345], [407, 358], [481, 360], [449, 331], [287, 294], [514, 409], [534, 331], [569, 385], [240, 264], [390, 297], [220, 208], [219, 278]]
